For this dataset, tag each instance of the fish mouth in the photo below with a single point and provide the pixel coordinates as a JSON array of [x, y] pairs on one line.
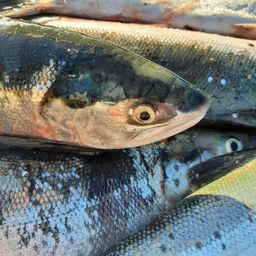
[[163, 131], [217, 167]]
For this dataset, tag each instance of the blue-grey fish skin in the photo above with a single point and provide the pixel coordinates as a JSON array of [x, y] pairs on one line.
[[201, 225], [55, 203], [59, 86], [218, 219]]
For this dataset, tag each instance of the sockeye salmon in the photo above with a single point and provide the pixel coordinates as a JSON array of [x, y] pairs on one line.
[[234, 18], [223, 67], [219, 219], [62, 86], [69, 204]]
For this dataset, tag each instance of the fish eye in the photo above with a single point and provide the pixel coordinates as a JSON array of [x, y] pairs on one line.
[[144, 114], [233, 145]]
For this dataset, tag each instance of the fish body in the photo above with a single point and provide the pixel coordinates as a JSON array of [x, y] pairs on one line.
[[87, 92], [224, 17], [218, 219], [223, 67], [69, 204]]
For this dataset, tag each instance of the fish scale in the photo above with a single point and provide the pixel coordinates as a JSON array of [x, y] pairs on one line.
[[218, 219], [224, 67], [61, 203]]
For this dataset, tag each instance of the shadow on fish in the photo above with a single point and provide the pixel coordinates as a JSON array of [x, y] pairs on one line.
[[60, 86], [63, 203]]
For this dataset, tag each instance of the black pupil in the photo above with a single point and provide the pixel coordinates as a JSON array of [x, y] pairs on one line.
[[234, 146], [144, 116]]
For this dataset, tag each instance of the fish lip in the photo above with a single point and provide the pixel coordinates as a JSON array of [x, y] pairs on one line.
[[180, 127], [207, 171], [175, 129]]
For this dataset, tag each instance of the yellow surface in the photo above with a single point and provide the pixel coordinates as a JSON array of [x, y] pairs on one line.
[[240, 184]]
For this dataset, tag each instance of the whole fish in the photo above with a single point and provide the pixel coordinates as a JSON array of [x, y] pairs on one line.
[[223, 67], [219, 219], [64, 87], [235, 18], [69, 204]]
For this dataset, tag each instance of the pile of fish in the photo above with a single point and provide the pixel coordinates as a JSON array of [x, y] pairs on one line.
[[125, 135]]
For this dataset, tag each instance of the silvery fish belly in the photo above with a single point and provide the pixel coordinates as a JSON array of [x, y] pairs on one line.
[[223, 67], [68, 204], [235, 18], [64, 87], [219, 219]]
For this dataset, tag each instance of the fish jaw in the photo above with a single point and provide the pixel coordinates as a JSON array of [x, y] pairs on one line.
[[181, 123], [105, 127]]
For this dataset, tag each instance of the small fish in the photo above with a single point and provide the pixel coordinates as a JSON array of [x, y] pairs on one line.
[[223, 67], [87, 92], [233, 18], [55, 203], [219, 219]]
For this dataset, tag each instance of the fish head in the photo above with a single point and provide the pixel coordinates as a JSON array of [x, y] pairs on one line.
[[215, 143], [202, 144], [111, 98], [198, 152]]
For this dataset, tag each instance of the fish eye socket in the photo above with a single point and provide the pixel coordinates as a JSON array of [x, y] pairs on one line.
[[144, 114], [233, 145]]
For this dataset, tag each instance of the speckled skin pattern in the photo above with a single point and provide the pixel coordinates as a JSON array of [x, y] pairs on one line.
[[80, 83], [221, 66], [69, 204], [219, 219]]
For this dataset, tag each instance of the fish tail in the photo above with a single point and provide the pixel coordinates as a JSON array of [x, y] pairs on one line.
[[18, 8]]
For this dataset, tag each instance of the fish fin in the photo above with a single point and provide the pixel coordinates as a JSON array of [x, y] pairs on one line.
[[218, 167], [18, 8], [246, 30]]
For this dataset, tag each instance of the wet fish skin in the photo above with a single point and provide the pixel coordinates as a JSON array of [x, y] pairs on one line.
[[66, 204], [218, 219], [183, 232], [223, 67], [81, 83], [233, 18]]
